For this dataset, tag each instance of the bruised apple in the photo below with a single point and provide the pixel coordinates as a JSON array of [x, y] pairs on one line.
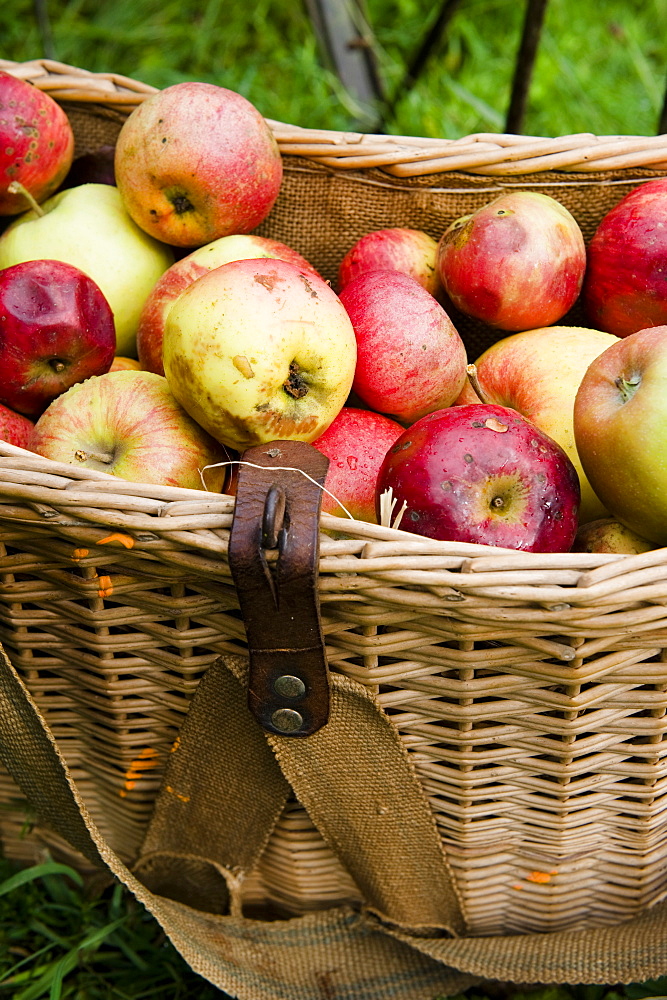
[[517, 263], [410, 357], [355, 444], [259, 350], [150, 332], [196, 161], [483, 473]]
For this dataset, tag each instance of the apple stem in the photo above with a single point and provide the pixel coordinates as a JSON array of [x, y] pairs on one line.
[[17, 188], [93, 456], [471, 372]]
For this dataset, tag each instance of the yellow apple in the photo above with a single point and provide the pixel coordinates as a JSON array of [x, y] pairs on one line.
[[538, 372], [260, 350], [88, 226]]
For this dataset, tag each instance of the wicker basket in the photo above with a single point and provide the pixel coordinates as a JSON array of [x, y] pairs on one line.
[[530, 690]]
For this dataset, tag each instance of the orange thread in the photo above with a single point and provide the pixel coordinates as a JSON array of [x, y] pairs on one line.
[[147, 759], [175, 745], [181, 798], [106, 587], [80, 554], [116, 536]]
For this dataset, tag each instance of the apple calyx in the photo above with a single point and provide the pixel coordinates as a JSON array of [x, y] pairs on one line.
[[627, 387], [17, 188], [471, 372], [295, 385], [181, 203]]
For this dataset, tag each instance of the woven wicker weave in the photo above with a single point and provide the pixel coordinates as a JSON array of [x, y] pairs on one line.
[[530, 689]]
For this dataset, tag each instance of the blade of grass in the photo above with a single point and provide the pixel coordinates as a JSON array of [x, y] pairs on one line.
[[36, 872]]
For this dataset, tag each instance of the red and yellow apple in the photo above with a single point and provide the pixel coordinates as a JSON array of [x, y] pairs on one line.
[[517, 263], [606, 534], [538, 372], [410, 357], [150, 332], [620, 429], [355, 444], [36, 143], [483, 473], [410, 251], [258, 350], [15, 428], [196, 161], [128, 423]]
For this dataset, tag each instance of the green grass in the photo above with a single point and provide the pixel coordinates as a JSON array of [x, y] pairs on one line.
[[600, 68]]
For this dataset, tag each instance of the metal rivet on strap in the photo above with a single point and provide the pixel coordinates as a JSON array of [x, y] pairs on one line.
[[286, 720], [289, 686]]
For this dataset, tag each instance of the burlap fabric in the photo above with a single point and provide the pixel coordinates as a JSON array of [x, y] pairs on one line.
[[227, 781]]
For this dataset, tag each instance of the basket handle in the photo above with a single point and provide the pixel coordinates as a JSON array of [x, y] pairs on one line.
[[277, 510]]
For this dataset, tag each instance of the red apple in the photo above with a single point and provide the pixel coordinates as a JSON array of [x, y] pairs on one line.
[[410, 357], [150, 332], [355, 444], [483, 473], [195, 162], [625, 289], [15, 428], [411, 251], [516, 263], [620, 429], [36, 143], [56, 328], [128, 423]]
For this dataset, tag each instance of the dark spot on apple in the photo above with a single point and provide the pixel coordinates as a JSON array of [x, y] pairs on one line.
[[164, 138], [541, 478], [182, 204], [267, 280], [477, 423], [401, 447], [558, 516], [468, 458], [446, 486], [313, 293], [262, 407], [414, 516], [153, 211], [295, 385]]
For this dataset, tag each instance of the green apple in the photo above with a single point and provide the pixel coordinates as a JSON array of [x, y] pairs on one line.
[[620, 427], [538, 372], [260, 350], [88, 226]]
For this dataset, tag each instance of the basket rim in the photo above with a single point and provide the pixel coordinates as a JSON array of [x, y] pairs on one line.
[[481, 153]]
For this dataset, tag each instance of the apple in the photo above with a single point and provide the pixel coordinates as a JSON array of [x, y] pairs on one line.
[[517, 263], [355, 444], [483, 473], [620, 429], [87, 226], [606, 534], [15, 428], [258, 350], [183, 272], [625, 285], [36, 143], [410, 357], [411, 251], [56, 328], [195, 162], [538, 372], [121, 364], [128, 423]]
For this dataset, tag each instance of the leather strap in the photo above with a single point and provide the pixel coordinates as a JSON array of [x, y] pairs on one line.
[[277, 511]]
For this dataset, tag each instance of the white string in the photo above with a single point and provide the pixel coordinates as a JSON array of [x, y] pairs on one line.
[[278, 468]]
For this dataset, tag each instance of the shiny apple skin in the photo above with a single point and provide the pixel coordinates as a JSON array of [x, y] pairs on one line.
[[517, 263], [355, 444], [36, 143], [620, 429], [15, 428], [411, 359], [56, 329], [483, 473], [625, 289], [410, 251], [195, 162]]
